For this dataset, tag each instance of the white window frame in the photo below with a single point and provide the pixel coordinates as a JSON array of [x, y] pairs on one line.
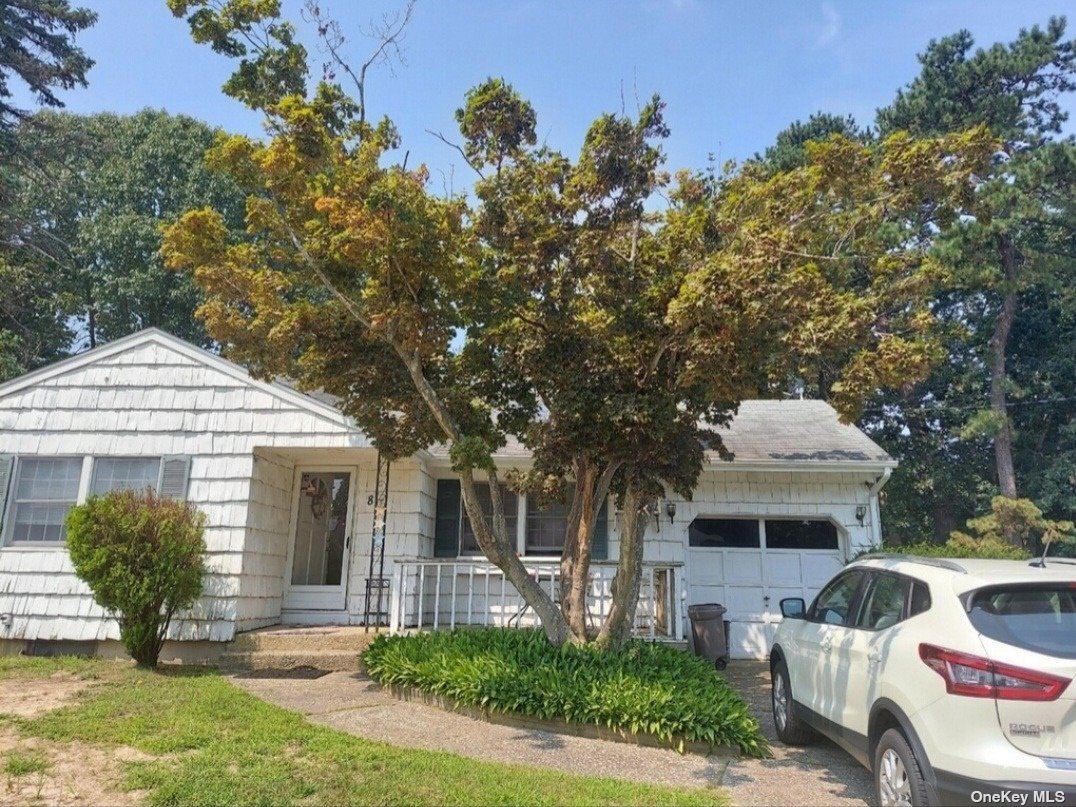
[[9, 516]]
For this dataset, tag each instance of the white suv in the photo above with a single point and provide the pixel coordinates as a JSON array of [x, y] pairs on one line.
[[951, 680]]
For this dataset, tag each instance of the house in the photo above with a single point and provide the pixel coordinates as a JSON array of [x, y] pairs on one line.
[[291, 488]]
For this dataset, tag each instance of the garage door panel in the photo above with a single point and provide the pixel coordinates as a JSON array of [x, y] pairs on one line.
[[749, 640], [745, 602], [708, 567], [705, 593], [783, 568], [819, 568], [743, 568]]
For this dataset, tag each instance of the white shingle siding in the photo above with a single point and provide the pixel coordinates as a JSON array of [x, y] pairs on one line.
[[152, 399]]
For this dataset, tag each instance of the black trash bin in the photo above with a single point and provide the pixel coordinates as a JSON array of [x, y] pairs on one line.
[[708, 632]]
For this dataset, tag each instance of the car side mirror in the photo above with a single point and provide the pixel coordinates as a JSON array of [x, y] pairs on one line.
[[793, 608]]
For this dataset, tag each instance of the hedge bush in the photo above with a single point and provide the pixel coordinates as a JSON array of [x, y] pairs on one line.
[[956, 548], [143, 556], [643, 688]]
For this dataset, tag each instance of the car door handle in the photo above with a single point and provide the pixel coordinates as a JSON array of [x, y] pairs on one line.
[[826, 643], [874, 657]]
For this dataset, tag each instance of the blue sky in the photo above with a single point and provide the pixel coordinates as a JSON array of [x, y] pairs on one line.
[[733, 74]]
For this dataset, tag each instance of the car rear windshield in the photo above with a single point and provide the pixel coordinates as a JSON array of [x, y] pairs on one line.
[[1040, 617]]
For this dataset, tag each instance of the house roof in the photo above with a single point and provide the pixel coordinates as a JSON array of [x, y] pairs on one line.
[[765, 434], [798, 431], [774, 434]]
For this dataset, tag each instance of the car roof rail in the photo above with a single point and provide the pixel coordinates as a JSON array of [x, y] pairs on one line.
[[941, 563]]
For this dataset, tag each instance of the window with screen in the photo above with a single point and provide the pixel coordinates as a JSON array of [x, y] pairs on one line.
[[468, 541], [724, 533], [124, 473], [801, 534], [44, 492]]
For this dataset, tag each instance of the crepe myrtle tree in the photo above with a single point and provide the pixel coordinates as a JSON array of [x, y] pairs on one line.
[[609, 333]]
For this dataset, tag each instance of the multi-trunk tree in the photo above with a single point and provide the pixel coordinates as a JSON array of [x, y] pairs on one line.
[[608, 316]]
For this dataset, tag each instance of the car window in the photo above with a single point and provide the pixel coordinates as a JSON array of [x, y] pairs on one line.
[[834, 603], [920, 599], [883, 606], [1041, 618]]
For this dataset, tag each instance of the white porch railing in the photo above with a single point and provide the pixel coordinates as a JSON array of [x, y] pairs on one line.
[[442, 594]]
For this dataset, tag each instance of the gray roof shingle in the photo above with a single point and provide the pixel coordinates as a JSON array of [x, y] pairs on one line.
[[794, 431]]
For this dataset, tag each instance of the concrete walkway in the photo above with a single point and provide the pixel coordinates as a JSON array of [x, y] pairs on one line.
[[351, 702]]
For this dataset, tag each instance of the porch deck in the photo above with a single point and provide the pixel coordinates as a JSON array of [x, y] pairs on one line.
[[442, 594]]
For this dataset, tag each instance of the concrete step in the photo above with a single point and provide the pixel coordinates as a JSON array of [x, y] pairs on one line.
[[288, 660], [311, 639]]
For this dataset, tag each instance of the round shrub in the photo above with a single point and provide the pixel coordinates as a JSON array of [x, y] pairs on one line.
[[143, 556]]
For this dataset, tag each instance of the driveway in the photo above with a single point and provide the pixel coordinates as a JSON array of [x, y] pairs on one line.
[[820, 774], [817, 774]]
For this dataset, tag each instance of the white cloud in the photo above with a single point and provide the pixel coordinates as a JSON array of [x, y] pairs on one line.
[[830, 28]]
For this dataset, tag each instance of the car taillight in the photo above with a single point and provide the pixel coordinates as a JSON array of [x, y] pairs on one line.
[[978, 677]]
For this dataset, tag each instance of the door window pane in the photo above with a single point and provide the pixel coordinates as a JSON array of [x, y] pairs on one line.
[[44, 491], [321, 529], [833, 605], [884, 606], [737, 533], [124, 473], [801, 534], [468, 541]]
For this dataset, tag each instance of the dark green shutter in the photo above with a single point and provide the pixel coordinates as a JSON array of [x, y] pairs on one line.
[[446, 531], [600, 547]]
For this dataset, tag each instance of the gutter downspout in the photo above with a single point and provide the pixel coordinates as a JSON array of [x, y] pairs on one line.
[[876, 513]]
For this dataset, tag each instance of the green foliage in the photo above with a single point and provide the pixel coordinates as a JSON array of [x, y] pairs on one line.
[[1009, 252], [1016, 522], [643, 688], [789, 149], [144, 559], [36, 39], [18, 763], [963, 547], [90, 198], [212, 743]]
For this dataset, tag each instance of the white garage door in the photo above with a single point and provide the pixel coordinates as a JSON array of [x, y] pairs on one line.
[[750, 565]]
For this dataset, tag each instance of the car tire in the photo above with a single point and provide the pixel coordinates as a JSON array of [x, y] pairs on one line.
[[791, 730], [898, 779]]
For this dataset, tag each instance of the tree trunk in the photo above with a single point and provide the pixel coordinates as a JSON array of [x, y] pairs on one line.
[[999, 343], [629, 573], [591, 489], [495, 545], [493, 542]]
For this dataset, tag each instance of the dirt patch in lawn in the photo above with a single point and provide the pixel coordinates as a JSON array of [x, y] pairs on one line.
[[38, 772], [32, 697]]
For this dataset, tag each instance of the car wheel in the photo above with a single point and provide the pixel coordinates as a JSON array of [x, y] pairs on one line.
[[790, 729], [898, 781]]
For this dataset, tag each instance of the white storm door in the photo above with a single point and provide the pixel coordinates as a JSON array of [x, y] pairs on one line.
[[317, 569]]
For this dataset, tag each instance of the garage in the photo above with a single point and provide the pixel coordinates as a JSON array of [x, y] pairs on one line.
[[749, 564]]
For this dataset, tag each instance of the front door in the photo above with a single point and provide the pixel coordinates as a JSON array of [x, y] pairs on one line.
[[321, 542]]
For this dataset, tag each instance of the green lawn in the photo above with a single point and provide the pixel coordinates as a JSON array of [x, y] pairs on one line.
[[215, 744]]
